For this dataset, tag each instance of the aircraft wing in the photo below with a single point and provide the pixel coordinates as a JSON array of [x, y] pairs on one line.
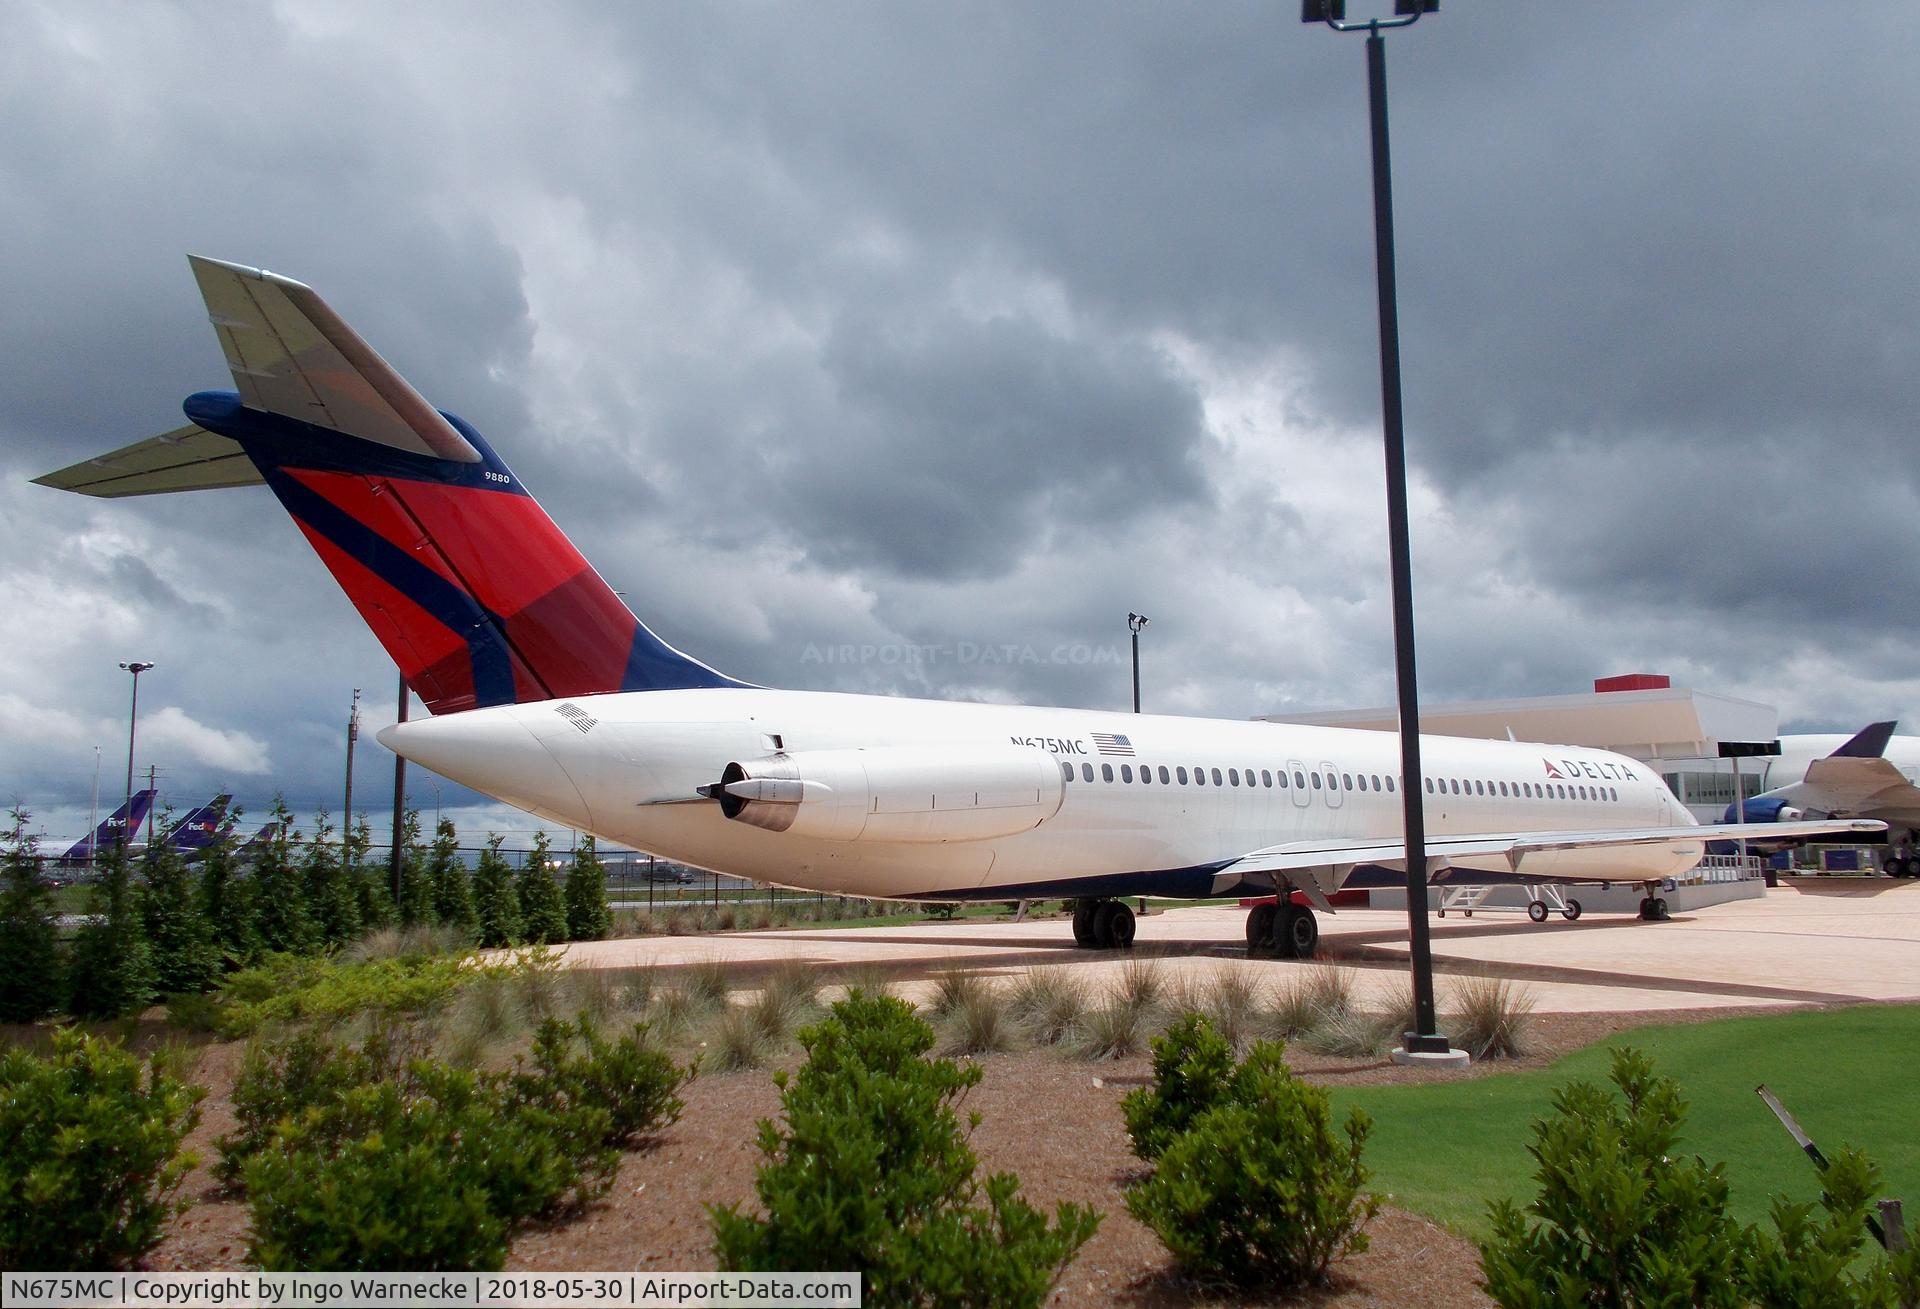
[[1512, 851], [1852, 784], [291, 354]]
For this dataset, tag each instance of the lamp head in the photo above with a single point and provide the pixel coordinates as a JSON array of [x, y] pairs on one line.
[[136, 667]]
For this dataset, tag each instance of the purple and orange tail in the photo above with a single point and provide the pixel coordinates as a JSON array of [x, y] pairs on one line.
[[473, 591]]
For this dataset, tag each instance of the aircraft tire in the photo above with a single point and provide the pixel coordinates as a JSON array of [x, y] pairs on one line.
[[1646, 908], [1537, 910], [1260, 926], [1660, 914], [1083, 915], [1572, 911], [1299, 933], [1113, 926]]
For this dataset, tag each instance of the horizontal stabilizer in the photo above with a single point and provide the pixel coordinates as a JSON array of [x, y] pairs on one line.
[[290, 354], [186, 459], [1851, 784]]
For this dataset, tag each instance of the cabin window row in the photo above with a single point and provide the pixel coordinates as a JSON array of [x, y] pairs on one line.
[[1270, 778], [1179, 775]]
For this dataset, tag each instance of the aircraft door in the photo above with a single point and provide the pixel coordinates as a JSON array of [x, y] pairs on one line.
[[1297, 781], [1332, 774]]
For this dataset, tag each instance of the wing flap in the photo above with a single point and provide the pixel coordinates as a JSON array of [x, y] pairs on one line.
[[291, 354], [186, 459]]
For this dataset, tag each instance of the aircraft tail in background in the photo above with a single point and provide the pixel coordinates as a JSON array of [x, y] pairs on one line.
[[199, 829], [118, 826], [473, 591]]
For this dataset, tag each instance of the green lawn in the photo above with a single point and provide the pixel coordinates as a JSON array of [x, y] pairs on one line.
[[1851, 1076]]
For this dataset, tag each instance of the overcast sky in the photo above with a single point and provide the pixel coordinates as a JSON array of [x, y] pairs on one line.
[[907, 347]]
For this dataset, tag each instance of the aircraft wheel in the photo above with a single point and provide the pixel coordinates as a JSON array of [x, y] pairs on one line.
[[1299, 933], [1537, 910], [1572, 911], [1646, 908], [1083, 912], [1260, 926], [1660, 914], [1113, 926]]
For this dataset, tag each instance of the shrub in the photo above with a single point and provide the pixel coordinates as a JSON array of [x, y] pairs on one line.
[[1352, 1034], [1622, 1216], [180, 938], [633, 1084], [280, 1081], [109, 970], [228, 904], [30, 981], [284, 915], [1804, 1262], [287, 989], [496, 904], [1307, 999], [1492, 1017], [738, 1040], [979, 1024], [1143, 982], [1193, 1071], [447, 876], [1112, 1031], [92, 1155], [330, 890], [1260, 1188], [370, 884], [415, 906], [871, 1170], [1232, 1004], [588, 917], [953, 987], [543, 912]]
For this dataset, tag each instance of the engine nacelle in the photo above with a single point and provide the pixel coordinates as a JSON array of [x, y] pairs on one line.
[[895, 793], [1764, 809]]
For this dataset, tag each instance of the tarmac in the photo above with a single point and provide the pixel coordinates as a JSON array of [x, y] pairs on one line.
[[1809, 941]]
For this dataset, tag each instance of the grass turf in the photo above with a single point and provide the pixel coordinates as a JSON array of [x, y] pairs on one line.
[[1849, 1075]]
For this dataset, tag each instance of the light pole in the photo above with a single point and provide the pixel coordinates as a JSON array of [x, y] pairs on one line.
[[133, 719], [399, 794], [353, 737], [1134, 623], [1424, 1044]]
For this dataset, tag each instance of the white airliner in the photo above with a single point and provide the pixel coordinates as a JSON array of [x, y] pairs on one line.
[[1871, 774], [548, 693]]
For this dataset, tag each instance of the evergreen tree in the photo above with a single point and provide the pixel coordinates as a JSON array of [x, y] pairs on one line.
[[496, 905], [416, 889], [227, 901], [30, 980], [372, 884], [447, 875], [543, 914], [180, 941], [588, 918], [283, 916], [336, 909], [110, 974]]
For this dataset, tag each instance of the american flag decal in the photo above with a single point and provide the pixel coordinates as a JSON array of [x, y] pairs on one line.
[[1109, 743]]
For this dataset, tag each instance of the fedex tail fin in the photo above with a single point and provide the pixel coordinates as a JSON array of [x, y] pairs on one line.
[[118, 826], [473, 591], [199, 829]]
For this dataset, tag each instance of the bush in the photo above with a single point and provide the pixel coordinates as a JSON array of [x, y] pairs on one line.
[[452, 889], [281, 1081], [871, 1170], [109, 971], [1260, 1188], [588, 918], [1193, 1072], [496, 905], [1622, 1217], [285, 989], [1492, 1017], [1804, 1262], [980, 1023], [330, 888], [283, 914], [228, 904], [92, 1154], [180, 940], [415, 907], [632, 1083], [1049, 1003], [543, 913], [30, 981]]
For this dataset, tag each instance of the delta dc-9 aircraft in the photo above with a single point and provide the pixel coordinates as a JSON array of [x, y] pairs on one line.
[[547, 693]]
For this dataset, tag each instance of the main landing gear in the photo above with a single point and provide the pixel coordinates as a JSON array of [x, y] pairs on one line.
[[1287, 930], [1102, 925], [1653, 907]]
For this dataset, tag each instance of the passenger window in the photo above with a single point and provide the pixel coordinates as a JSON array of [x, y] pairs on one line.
[[1299, 779], [1086, 772], [1233, 777], [1429, 786], [1216, 777], [1389, 784], [1066, 772], [1163, 775], [1266, 778], [1126, 772], [1106, 772], [1183, 775], [1455, 783], [1346, 781], [1199, 777], [1316, 780]]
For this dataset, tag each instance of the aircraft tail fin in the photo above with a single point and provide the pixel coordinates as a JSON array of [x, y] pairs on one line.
[[116, 827], [1870, 742], [474, 592], [200, 828]]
